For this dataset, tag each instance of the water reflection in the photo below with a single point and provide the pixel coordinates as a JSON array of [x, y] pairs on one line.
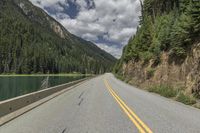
[[19, 85]]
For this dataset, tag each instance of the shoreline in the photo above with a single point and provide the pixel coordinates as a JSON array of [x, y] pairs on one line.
[[43, 75]]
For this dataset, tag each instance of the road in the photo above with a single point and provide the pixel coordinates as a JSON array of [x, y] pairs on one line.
[[106, 105]]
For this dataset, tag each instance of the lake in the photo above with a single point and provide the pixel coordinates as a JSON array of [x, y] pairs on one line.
[[13, 86]]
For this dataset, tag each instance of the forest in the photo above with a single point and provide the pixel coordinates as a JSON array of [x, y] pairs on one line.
[[165, 25], [29, 45]]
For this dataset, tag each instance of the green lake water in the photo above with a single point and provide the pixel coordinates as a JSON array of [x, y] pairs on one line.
[[13, 86]]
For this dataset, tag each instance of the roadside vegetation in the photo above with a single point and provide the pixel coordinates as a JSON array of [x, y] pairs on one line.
[[119, 77], [164, 90], [169, 92], [175, 93], [189, 100], [150, 72], [165, 25], [170, 26]]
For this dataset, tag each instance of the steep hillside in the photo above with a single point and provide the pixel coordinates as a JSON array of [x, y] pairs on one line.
[[166, 48], [33, 42]]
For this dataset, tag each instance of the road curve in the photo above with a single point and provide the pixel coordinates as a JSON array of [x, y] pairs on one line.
[[106, 105]]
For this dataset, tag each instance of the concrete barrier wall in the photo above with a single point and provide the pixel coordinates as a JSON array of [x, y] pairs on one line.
[[11, 105]]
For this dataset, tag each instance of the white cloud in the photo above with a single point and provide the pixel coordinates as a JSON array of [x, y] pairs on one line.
[[120, 36], [47, 3], [115, 20], [114, 50], [90, 37]]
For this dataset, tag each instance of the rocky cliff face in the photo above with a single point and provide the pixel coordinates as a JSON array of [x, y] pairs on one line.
[[182, 75], [42, 18]]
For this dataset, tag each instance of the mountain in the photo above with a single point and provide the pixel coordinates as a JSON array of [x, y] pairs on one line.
[[33, 42], [165, 51]]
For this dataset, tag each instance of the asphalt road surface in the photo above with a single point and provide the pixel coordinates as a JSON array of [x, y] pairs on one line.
[[106, 105]]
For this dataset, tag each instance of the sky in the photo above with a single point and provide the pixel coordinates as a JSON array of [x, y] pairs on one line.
[[107, 23]]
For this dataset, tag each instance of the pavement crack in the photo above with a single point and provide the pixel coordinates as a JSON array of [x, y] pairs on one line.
[[64, 130], [80, 102], [81, 94]]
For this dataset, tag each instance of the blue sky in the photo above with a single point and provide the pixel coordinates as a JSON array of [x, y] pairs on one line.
[[107, 23]]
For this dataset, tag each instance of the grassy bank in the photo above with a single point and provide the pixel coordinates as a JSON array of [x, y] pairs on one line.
[[175, 93], [169, 92], [119, 77], [164, 90]]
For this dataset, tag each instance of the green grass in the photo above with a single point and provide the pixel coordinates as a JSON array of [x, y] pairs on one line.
[[119, 77], [189, 100], [171, 92], [164, 90]]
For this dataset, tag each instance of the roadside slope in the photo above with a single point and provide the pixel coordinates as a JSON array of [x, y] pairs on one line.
[[165, 51]]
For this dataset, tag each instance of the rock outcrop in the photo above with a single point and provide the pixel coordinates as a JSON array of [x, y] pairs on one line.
[[181, 75]]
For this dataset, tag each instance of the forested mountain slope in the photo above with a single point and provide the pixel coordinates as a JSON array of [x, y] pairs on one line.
[[166, 47], [33, 42]]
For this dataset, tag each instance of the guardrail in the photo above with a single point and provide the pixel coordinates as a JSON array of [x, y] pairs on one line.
[[11, 105]]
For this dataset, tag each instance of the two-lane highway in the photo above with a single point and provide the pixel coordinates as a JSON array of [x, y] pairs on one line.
[[106, 105], [133, 117]]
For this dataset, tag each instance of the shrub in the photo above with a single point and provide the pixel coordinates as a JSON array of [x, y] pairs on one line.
[[164, 90], [150, 72], [189, 100], [146, 56], [120, 77]]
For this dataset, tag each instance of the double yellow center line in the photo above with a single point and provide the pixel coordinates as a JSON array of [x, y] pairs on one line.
[[141, 126]]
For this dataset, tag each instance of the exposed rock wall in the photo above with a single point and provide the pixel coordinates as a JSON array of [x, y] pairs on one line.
[[185, 75]]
